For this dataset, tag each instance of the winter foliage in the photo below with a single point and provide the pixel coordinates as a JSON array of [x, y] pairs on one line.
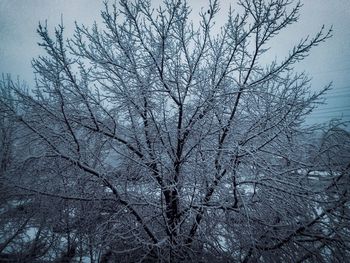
[[152, 139]]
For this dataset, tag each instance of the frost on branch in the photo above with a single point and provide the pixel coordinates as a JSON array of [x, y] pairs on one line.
[[153, 138]]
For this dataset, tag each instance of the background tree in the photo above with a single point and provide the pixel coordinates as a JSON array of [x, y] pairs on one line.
[[179, 143]]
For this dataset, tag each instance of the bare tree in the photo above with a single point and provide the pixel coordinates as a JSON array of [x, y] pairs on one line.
[[183, 143]]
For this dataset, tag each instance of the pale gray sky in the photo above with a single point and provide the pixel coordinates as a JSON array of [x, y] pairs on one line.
[[328, 62]]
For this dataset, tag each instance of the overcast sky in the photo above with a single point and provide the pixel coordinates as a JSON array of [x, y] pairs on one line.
[[327, 62]]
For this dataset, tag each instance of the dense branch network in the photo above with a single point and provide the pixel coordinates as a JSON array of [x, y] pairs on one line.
[[184, 140]]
